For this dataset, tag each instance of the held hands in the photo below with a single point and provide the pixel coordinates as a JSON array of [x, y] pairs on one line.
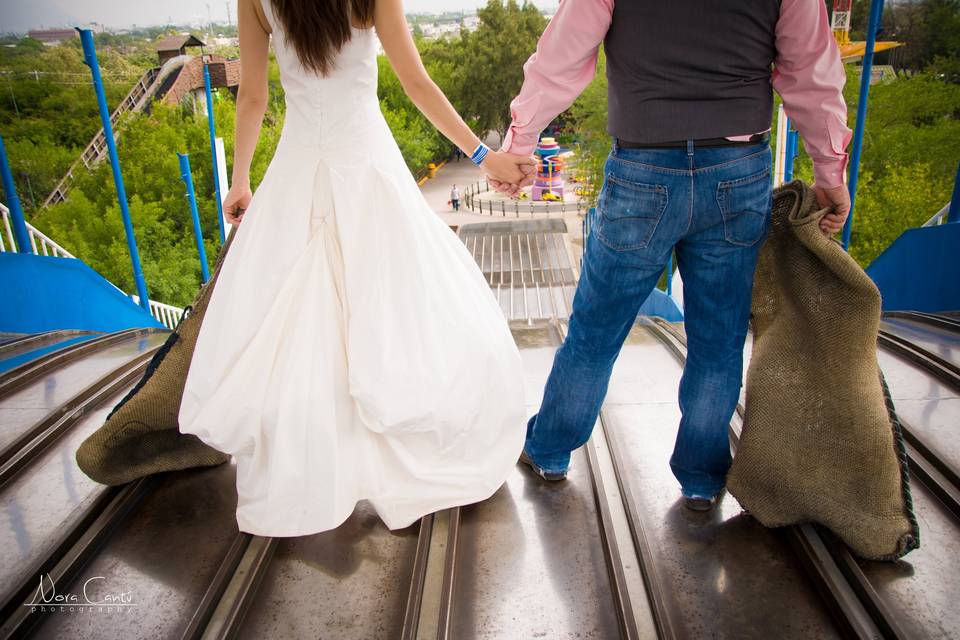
[[507, 172], [236, 202], [837, 199]]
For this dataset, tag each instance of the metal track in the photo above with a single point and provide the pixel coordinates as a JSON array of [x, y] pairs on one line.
[[26, 373], [64, 570], [30, 339], [934, 475], [633, 595], [941, 476], [941, 369], [104, 513], [843, 598], [932, 319], [34, 440], [239, 592]]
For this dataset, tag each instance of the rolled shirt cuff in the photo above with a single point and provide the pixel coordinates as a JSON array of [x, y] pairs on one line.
[[518, 143], [830, 173]]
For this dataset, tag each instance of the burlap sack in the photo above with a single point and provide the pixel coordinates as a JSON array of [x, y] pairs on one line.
[[820, 442], [141, 435]]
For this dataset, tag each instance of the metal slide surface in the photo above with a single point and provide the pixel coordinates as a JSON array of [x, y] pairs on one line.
[[609, 553]]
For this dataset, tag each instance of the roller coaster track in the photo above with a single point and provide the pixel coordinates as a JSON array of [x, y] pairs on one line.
[[136, 100]]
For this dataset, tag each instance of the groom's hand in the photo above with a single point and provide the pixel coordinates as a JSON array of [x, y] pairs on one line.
[[508, 168], [526, 164]]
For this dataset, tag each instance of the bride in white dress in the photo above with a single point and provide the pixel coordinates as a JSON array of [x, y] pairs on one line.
[[351, 348]]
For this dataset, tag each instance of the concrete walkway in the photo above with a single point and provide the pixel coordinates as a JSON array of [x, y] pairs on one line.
[[437, 191]]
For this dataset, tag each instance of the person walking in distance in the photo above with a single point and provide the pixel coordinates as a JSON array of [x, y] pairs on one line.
[[455, 198], [690, 91]]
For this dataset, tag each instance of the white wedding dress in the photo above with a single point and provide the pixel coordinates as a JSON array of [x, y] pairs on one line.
[[351, 348]]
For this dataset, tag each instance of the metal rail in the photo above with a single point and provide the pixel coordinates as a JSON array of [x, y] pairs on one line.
[[941, 369], [239, 593], [63, 568], [932, 319], [411, 618], [30, 339], [18, 377], [218, 586], [633, 594]]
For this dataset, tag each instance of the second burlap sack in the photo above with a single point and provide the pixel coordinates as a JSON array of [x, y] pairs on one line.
[[141, 436], [820, 442]]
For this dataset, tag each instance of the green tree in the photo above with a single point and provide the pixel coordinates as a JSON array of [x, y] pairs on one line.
[[588, 116], [495, 53]]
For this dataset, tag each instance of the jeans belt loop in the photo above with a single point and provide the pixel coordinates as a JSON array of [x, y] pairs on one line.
[[689, 147]]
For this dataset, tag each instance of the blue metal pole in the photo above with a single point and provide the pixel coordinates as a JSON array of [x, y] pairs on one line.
[[13, 203], [954, 214], [192, 197], [790, 152], [876, 11], [90, 58], [213, 149]]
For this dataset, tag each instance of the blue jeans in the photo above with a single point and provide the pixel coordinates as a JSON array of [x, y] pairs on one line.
[[710, 205]]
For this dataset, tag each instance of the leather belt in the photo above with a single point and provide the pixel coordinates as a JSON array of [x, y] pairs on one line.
[[703, 142]]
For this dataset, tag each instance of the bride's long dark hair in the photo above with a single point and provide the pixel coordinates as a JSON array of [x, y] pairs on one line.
[[318, 28]]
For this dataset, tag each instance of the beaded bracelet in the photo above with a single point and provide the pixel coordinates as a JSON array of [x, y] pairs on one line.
[[479, 154]]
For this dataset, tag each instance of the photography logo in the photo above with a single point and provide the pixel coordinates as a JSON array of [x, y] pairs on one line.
[[93, 597]]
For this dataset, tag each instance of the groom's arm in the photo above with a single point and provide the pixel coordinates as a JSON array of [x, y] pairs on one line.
[[558, 71], [808, 74]]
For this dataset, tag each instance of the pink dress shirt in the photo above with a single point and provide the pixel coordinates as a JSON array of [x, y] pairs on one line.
[[807, 74]]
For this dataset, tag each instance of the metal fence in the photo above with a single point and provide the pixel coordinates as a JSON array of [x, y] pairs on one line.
[[515, 208]]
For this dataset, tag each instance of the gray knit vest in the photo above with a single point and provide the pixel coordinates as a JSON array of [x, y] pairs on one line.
[[690, 69]]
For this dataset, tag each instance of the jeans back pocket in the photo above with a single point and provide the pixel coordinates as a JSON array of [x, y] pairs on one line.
[[745, 207], [629, 213]]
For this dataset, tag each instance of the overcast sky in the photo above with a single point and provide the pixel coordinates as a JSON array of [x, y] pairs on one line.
[[20, 15]]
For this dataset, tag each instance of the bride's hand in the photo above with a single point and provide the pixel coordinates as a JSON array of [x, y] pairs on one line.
[[509, 168], [236, 202]]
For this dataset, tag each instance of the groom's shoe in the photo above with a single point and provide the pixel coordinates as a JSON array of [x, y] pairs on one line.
[[552, 476], [702, 503]]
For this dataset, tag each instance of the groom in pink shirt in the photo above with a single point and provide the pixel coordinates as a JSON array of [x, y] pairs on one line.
[[690, 97]]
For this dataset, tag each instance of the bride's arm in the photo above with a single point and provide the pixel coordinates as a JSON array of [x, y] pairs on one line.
[[397, 43], [251, 104]]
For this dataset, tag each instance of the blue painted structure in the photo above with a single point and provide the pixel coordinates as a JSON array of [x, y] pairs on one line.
[[919, 271], [90, 58], [62, 293], [876, 11], [211, 126], [192, 198], [670, 274], [954, 214], [13, 203], [660, 304]]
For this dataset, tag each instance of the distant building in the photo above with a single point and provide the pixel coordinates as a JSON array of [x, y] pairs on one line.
[[174, 46], [188, 83], [52, 36]]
